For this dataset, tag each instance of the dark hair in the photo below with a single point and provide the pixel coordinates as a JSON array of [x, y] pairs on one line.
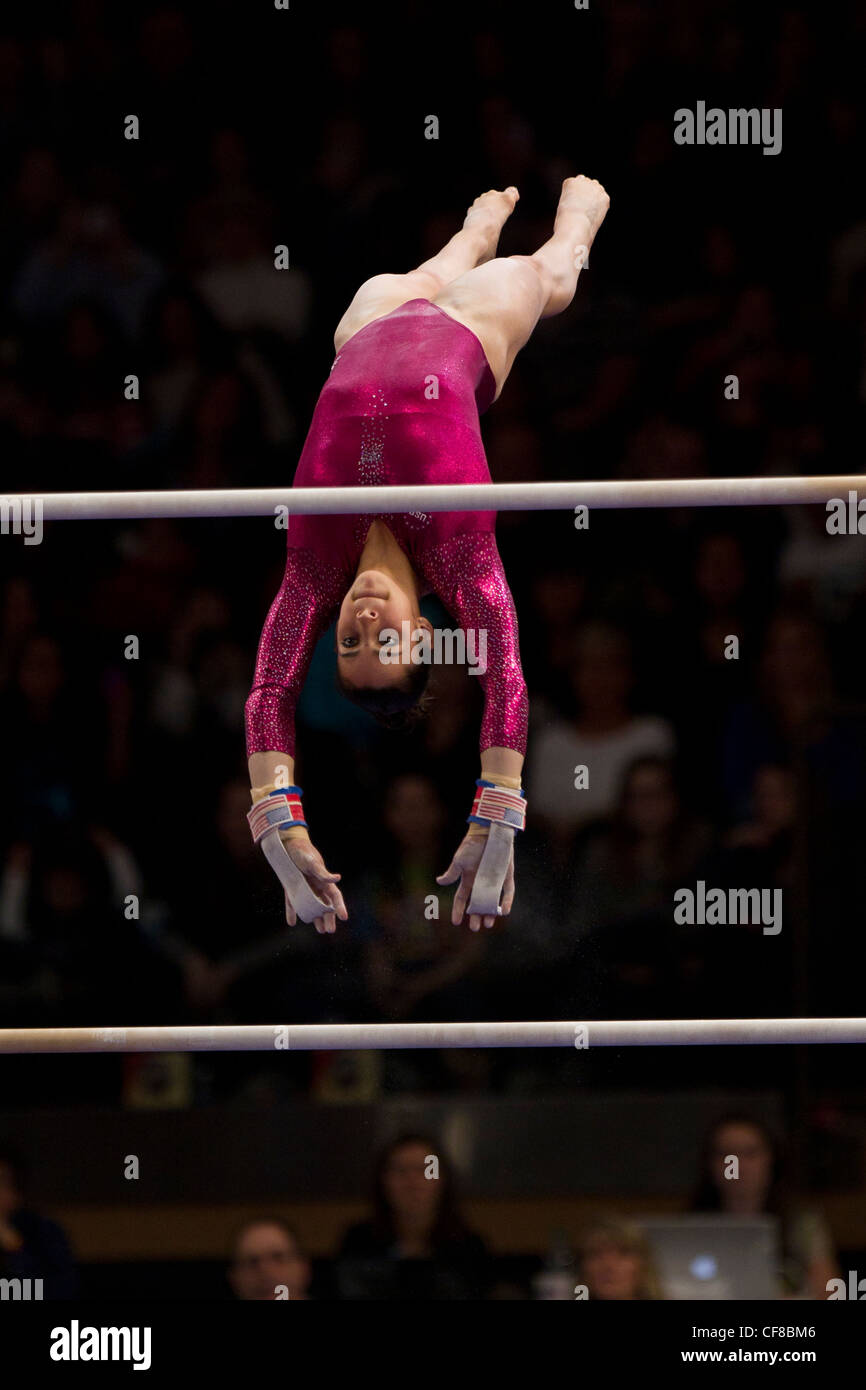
[[780, 1201], [448, 1224], [708, 1196], [394, 706]]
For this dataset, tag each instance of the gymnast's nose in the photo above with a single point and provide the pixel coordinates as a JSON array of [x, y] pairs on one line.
[[367, 612]]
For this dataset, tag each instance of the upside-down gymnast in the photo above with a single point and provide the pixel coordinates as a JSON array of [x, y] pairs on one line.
[[460, 318]]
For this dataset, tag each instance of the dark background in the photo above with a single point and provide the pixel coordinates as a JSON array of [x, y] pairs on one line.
[[155, 257]]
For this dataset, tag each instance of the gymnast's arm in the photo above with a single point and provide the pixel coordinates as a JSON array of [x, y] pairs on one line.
[[307, 598], [467, 574]]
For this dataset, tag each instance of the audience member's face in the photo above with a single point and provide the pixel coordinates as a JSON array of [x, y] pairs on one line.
[[755, 1163], [611, 1271], [775, 798], [602, 674], [651, 802], [410, 1194], [10, 1197], [267, 1257]]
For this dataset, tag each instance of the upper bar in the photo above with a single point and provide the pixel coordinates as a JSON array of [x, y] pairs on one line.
[[334, 1037], [501, 497]]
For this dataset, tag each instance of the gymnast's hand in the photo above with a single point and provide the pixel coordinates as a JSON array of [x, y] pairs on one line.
[[464, 866], [307, 858]]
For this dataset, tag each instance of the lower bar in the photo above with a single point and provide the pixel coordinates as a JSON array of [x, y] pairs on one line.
[[336, 1037]]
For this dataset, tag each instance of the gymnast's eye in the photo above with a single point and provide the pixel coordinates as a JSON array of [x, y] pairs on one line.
[[348, 641]]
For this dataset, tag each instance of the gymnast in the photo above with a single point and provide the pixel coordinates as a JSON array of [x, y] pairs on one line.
[[418, 358]]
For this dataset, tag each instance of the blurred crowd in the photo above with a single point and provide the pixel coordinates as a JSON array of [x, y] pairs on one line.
[[417, 1242], [129, 889]]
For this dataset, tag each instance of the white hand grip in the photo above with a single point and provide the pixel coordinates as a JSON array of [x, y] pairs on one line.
[[300, 894], [489, 880]]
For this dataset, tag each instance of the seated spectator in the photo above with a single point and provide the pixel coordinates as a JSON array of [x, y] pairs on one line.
[[769, 828], [765, 851], [268, 1263], [605, 736], [627, 877], [31, 1246], [615, 1264], [416, 1245], [417, 964], [651, 847], [796, 713], [806, 1256], [65, 940]]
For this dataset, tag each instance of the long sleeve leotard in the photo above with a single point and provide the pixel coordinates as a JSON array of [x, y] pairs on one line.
[[401, 406]]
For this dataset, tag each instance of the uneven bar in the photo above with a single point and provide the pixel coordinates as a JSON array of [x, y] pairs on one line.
[[501, 497], [336, 1037]]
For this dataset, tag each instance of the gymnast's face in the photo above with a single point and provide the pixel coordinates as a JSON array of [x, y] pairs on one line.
[[374, 609]]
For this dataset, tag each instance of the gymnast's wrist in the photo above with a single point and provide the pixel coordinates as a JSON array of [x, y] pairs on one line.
[[496, 803], [286, 832], [481, 832]]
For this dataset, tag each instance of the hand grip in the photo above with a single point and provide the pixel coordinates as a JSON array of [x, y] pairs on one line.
[[487, 888], [300, 894]]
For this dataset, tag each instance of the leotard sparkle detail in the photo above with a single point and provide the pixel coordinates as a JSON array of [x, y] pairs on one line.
[[400, 407]]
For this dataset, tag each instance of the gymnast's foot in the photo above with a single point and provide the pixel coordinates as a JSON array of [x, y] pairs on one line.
[[488, 215], [583, 205]]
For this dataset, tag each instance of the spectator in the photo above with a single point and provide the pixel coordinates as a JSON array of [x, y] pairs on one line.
[[757, 1186], [615, 1264], [31, 1246], [416, 1245], [605, 736], [267, 1262], [418, 964]]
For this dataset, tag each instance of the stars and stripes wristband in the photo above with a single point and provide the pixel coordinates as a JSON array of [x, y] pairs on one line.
[[495, 805], [280, 809]]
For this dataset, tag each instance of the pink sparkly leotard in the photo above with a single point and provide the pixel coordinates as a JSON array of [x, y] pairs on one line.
[[401, 406]]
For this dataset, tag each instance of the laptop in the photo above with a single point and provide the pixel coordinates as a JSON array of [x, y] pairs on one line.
[[715, 1257]]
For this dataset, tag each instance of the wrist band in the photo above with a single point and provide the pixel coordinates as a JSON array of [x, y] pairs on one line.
[[498, 805], [280, 809]]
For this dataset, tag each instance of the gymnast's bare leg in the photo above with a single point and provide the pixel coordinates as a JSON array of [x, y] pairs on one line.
[[502, 300], [473, 246]]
